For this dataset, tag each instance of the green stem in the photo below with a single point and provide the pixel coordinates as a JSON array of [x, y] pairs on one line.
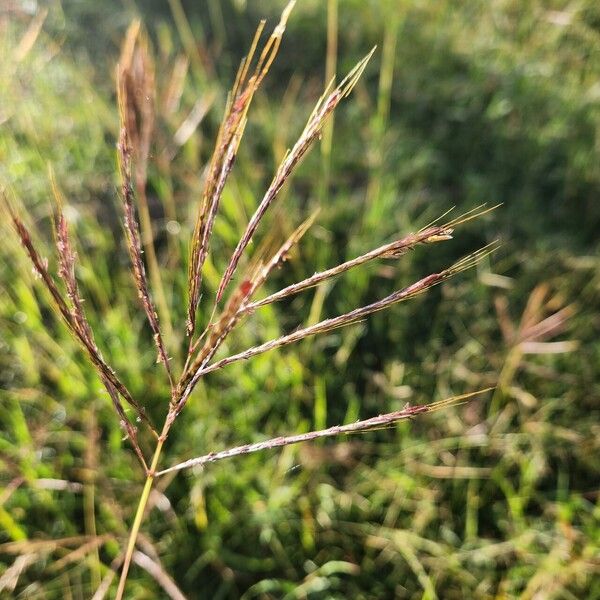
[[139, 516]]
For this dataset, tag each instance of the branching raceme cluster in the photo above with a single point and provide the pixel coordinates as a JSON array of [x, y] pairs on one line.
[[135, 84]]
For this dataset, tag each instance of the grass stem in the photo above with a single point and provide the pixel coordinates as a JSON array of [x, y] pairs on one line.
[[139, 515]]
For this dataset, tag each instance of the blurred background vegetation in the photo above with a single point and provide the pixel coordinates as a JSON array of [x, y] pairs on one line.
[[463, 103]]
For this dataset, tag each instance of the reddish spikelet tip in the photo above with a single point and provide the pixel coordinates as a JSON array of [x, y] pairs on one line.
[[245, 287]]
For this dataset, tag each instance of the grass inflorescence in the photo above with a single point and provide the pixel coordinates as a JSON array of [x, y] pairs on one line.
[[136, 93], [471, 501]]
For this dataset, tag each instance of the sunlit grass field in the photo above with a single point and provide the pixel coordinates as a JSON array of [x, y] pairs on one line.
[[462, 104]]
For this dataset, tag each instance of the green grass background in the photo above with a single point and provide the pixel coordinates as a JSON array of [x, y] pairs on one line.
[[463, 103]]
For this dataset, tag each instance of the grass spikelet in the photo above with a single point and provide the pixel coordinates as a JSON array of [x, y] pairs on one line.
[[394, 249], [41, 268], [135, 89], [66, 271], [357, 314], [325, 106], [228, 140], [372, 424], [235, 309], [134, 244]]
